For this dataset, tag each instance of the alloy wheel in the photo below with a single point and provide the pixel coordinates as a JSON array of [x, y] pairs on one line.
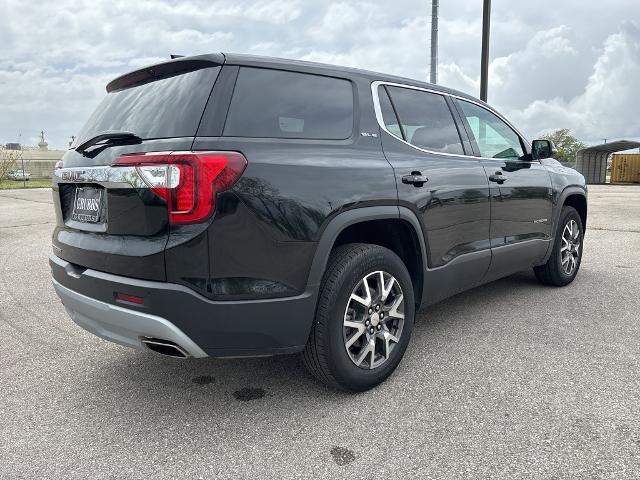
[[570, 250], [373, 319]]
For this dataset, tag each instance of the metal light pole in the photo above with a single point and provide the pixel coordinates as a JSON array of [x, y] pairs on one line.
[[434, 42], [484, 68]]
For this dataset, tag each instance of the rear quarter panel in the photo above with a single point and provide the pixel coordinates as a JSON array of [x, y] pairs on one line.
[[266, 229]]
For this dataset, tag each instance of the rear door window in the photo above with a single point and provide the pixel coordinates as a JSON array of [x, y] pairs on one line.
[[279, 104], [388, 114], [425, 120], [167, 107]]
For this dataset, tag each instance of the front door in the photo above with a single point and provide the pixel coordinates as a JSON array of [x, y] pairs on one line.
[[521, 193], [447, 189]]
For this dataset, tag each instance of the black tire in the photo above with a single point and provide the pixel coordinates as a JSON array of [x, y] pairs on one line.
[[552, 272], [325, 355]]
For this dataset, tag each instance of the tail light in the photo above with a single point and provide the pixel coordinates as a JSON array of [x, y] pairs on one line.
[[187, 181]]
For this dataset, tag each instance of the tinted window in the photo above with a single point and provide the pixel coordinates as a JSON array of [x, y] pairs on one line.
[[494, 137], [278, 104], [169, 107], [388, 115], [426, 120]]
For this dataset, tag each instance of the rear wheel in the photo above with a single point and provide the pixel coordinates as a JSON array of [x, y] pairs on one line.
[[564, 262], [364, 318]]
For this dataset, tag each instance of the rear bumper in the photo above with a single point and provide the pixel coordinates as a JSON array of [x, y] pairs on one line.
[[173, 312], [122, 325]]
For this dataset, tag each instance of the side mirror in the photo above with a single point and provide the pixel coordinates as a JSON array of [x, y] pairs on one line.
[[543, 149]]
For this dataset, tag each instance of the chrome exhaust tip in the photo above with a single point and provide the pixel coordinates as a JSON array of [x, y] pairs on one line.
[[164, 347]]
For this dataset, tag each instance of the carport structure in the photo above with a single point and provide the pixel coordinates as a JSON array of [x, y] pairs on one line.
[[592, 161]]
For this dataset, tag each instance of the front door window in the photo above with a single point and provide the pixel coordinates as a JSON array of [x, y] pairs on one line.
[[495, 139]]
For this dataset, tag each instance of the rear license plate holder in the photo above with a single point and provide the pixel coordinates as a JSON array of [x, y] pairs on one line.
[[87, 204]]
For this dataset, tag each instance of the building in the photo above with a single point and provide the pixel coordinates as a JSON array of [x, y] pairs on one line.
[[38, 161], [592, 161]]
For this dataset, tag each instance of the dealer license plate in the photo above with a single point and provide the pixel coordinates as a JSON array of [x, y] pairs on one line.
[[87, 204]]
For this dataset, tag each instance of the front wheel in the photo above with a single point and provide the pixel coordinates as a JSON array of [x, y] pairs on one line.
[[363, 320], [564, 262]]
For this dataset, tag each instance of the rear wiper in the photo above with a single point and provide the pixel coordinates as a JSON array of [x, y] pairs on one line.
[[108, 138]]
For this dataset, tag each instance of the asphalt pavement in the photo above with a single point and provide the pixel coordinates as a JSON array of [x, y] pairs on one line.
[[510, 380]]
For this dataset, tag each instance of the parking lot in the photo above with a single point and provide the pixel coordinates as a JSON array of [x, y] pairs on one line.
[[510, 380]]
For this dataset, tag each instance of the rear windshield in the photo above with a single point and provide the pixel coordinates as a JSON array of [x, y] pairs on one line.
[[280, 104], [169, 107]]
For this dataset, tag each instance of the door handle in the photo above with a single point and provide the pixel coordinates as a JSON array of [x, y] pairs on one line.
[[416, 179], [498, 177]]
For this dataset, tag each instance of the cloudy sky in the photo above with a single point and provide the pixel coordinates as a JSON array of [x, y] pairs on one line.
[[554, 64]]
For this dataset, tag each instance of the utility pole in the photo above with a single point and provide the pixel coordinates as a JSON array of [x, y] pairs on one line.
[[434, 42], [484, 67]]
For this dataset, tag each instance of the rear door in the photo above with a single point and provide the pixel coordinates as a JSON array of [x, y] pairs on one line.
[[446, 189], [108, 217], [521, 192]]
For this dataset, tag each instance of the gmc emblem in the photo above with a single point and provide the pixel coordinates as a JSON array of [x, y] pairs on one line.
[[72, 175]]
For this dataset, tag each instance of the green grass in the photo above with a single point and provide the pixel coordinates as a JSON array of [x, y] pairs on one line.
[[33, 183]]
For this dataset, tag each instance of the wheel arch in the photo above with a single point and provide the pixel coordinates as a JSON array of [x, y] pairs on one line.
[[372, 225], [579, 202], [575, 197]]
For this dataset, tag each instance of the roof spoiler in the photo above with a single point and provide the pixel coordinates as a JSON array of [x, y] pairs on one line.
[[170, 68]]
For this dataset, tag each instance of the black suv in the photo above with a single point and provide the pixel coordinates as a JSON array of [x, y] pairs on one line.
[[230, 205]]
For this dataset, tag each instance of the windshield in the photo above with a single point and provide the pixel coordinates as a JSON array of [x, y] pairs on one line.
[[168, 107]]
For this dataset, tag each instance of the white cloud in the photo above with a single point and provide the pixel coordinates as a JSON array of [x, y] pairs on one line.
[[547, 65], [339, 19], [552, 67], [608, 105]]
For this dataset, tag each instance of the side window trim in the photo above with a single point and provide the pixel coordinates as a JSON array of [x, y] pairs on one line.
[[376, 104], [375, 88]]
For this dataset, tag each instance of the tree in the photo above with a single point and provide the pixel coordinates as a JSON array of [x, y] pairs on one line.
[[8, 160], [567, 145]]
